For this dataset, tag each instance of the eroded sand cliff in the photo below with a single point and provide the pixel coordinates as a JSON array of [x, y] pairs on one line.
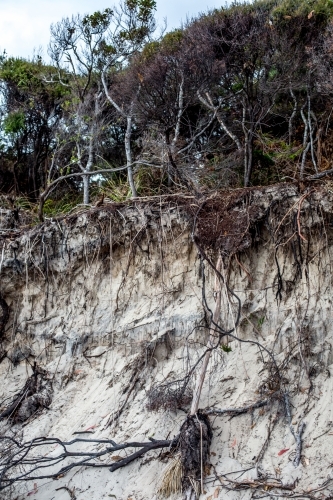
[[109, 303]]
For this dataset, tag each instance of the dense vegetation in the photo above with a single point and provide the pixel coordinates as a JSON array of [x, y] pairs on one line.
[[240, 96]]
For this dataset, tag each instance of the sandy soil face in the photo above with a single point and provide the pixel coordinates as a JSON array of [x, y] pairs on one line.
[[112, 309]]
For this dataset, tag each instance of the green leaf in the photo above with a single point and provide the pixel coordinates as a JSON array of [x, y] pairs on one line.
[[226, 348]]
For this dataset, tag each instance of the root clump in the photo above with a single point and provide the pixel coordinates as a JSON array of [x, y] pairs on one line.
[[168, 397], [36, 394], [195, 439]]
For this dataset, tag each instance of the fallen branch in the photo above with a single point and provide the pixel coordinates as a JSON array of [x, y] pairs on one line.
[[266, 485], [320, 175], [20, 462], [146, 447]]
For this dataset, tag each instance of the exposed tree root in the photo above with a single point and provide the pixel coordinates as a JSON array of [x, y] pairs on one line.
[[194, 442], [297, 435], [242, 409], [4, 315], [36, 393]]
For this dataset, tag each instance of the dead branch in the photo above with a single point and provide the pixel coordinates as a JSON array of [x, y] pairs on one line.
[[22, 461], [246, 483], [320, 175], [153, 445]]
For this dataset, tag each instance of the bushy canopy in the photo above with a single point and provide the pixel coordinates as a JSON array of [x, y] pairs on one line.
[[240, 95]]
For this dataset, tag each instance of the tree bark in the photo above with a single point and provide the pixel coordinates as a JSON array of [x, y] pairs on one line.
[[291, 119], [306, 144], [85, 180], [210, 105], [128, 152], [128, 134]]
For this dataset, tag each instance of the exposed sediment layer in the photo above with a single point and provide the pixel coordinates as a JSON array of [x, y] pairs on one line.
[[109, 303]]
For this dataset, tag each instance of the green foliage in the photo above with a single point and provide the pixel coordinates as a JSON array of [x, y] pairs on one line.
[[278, 150], [149, 51], [28, 77], [54, 207], [14, 123], [140, 20], [149, 181], [225, 348], [115, 188], [99, 21], [172, 40], [288, 9], [261, 321], [23, 203], [259, 65], [106, 50], [21, 72], [143, 9], [266, 160]]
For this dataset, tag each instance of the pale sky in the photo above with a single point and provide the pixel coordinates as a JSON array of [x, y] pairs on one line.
[[25, 24]]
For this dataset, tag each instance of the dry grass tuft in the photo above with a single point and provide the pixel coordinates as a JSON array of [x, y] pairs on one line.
[[171, 481]]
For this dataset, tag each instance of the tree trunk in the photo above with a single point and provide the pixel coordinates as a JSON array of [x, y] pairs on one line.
[[248, 158], [291, 119], [129, 119], [16, 184], [89, 165], [210, 105], [306, 144], [85, 179], [128, 152]]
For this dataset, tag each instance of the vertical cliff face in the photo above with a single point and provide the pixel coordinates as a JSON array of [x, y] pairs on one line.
[[103, 319]]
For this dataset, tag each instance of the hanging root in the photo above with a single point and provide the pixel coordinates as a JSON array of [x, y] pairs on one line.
[[171, 482], [195, 440], [4, 315]]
